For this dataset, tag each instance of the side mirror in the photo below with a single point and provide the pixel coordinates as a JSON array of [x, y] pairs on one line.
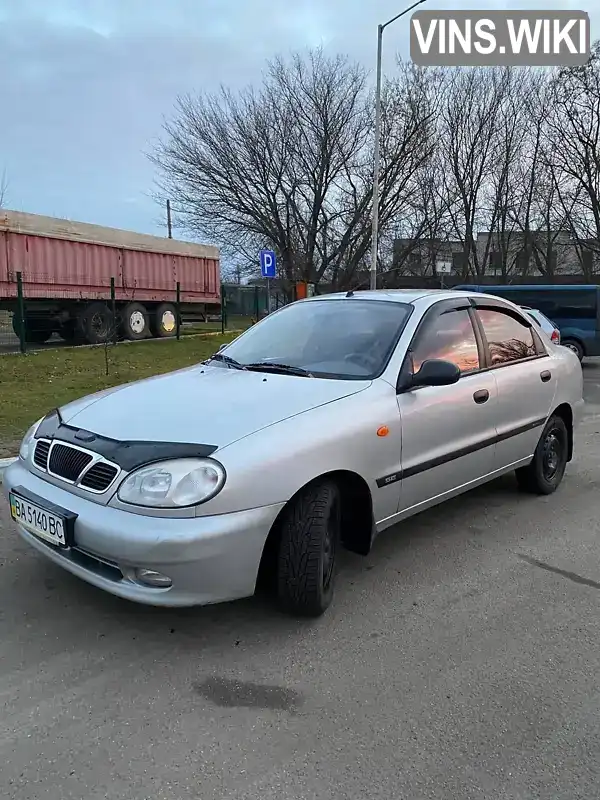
[[436, 372]]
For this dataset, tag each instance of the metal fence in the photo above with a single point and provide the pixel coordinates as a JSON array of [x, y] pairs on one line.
[[29, 321]]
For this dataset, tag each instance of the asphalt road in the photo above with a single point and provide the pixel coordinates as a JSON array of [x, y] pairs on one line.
[[460, 660]]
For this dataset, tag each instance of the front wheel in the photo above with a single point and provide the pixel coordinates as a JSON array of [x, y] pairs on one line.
[[545, 473], [37, 329], [308, 548]]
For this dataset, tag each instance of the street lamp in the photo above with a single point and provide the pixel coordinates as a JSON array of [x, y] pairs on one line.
[[375, 230]]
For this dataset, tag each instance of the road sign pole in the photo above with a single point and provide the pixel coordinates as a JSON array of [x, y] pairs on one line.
[[443, 268], [268, 270]]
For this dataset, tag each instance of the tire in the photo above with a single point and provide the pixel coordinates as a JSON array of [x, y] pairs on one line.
[[95, 324], [306, 564], [575, 346], [545, 473], [164, 323], [135, 323], [67, 331], [37, 329]]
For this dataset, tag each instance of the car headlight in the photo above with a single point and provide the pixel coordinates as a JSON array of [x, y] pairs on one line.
[[173, 484], [28, 442]]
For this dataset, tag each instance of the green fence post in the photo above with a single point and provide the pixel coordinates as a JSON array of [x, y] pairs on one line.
[[21, 313], [178, 310], [223, 309], [113, 308]]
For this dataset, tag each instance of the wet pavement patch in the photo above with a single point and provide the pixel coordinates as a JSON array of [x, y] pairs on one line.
[[572, 576], [229, 693]]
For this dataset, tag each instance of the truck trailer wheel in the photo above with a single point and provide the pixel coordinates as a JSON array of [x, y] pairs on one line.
[[95, 324], [135, 323], [164, 323], [37, 329], [68, 331]]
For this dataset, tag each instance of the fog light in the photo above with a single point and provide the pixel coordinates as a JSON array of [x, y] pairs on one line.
[[152, 578]]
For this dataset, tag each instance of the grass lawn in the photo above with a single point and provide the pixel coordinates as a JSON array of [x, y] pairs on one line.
[[235, 322], [33, 384]]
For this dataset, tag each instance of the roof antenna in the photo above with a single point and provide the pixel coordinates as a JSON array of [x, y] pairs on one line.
[[350, 293]]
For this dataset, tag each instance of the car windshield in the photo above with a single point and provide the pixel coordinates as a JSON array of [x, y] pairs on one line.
[[343, 338]]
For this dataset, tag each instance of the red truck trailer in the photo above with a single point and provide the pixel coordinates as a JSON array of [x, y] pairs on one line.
[[67, 267]]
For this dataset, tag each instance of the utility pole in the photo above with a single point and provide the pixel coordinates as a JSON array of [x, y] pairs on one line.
[[377, 158], [169, 225]]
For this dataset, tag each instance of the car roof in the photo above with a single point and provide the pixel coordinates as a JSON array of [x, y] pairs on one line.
[[395, 295], [528, 287]]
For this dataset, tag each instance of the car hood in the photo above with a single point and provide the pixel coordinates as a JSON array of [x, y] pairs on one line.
[[202, 405]]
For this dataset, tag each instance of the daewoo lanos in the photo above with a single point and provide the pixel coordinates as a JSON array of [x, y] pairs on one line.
[[327, 422]]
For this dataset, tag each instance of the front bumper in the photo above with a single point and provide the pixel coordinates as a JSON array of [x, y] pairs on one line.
[[209, 559]]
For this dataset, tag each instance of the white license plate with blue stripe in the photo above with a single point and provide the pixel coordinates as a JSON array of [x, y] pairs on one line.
[[38, 520]]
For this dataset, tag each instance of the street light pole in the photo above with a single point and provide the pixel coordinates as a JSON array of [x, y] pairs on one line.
[[377, 154]]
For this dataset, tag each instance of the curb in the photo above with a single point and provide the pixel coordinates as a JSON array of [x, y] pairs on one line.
[[4, 463]]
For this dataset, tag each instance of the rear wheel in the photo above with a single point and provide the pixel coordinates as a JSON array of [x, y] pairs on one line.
[[575, 346], [135, 322], [310, 536], [164, 323], [95, 324], [545, 473]]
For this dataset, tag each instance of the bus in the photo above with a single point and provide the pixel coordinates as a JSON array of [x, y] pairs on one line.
[[573, 308]]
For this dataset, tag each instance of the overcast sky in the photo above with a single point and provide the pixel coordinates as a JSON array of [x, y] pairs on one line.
[[85, 83]]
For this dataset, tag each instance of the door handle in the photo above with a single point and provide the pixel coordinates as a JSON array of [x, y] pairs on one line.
[[545, 375], [481, 396]]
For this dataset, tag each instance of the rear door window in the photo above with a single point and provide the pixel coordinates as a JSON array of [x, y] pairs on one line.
[[508, 339]]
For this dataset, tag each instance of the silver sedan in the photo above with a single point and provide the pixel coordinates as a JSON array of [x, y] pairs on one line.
[[327, 422]]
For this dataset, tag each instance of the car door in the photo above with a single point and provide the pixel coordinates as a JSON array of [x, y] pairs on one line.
[[524, 376], [448, 432]]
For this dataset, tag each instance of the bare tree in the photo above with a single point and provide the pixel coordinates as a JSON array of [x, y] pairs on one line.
[[505, 247], [471, 140], [574, 153], [3, 187], [289, 165]]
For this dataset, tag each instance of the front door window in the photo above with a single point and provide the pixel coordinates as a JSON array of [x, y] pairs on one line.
[[451, 338]]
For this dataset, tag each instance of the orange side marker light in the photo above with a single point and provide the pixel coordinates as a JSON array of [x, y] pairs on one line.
[[383, 430]]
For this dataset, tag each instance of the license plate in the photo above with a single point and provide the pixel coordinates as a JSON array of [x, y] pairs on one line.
[[38, 520]]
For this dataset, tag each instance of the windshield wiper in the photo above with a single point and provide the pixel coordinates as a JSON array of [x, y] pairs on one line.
[[231, 362], [274, 366]]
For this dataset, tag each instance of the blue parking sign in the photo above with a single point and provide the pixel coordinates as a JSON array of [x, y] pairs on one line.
[[268, 264]]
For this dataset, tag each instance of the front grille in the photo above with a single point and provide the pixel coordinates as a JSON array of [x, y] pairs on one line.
[[40, 455], [67, 462], [99, 477]]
